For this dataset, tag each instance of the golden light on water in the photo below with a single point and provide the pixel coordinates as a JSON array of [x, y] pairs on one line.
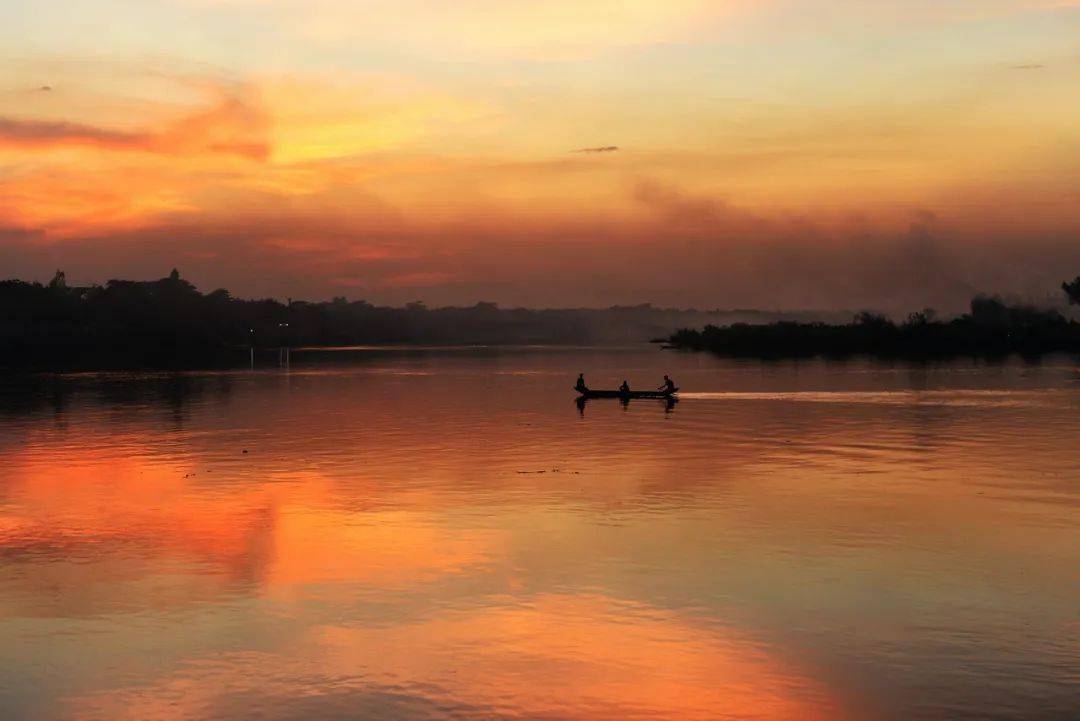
[[444, 534]]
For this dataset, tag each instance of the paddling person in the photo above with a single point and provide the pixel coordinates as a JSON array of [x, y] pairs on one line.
[[625, 387], [580, 387], [669, 386]]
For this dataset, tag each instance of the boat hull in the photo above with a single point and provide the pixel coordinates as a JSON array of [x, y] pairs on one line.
[[631, 394]]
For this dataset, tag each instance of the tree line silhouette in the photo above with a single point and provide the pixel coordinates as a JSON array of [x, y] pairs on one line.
[[169, 323], [991, 328]]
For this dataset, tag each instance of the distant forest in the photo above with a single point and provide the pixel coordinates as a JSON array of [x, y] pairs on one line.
[[992, 328], [169, 323]]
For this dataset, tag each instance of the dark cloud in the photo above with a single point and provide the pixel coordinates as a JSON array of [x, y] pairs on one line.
[[46, 132], [659, 243], [12, 234], [1029, 66], [45, 88], [230, 127], [683, 250], [598, 149]]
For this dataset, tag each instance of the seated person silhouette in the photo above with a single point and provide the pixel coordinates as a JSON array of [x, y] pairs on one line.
[[669, 386], [580, 387], [624, 388]]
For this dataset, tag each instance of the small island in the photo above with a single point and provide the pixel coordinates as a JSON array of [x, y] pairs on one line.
[[992, 328]]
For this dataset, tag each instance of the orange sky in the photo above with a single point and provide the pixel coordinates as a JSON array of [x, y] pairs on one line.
[[822, 153]]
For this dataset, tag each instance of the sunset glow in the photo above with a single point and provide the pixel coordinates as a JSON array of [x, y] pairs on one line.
[[505, 151]]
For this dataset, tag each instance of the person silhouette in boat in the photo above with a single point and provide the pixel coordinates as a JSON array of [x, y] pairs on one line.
[[580, 387], [625, 387], [669, 386]]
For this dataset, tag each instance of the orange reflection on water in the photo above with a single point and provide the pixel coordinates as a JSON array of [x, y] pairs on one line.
[[410, 546], [130, 517], [388, 548], [106, 510], [586, 656], [152, 505], [551, 656]]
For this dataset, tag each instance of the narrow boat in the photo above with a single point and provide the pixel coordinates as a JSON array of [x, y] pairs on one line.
[[631, 394]]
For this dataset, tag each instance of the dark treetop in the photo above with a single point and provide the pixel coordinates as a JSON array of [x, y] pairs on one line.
[[991, 328], [169, 323]]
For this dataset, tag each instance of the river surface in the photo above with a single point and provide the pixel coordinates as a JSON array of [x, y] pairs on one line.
[[445, 534]]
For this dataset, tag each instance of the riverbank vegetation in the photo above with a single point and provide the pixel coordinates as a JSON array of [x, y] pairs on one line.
[[169, 323], [991, 328]]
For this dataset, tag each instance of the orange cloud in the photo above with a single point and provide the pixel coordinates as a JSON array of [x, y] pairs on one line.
[[396, 188], [40, 133], [230, 128]]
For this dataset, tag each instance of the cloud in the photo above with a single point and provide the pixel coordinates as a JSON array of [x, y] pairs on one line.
[[679, 248], [229, 127], [599, 149], [1029, 66], [534, 29], [44, 133], [400, 191]]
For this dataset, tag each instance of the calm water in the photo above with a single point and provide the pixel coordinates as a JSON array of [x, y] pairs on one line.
[[445, 535]]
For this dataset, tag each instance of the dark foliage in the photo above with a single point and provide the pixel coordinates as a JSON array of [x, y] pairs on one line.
[[1072, 290], [169, 323], [991, 328]]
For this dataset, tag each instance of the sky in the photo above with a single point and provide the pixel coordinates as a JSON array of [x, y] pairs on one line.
[[884, 154]]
